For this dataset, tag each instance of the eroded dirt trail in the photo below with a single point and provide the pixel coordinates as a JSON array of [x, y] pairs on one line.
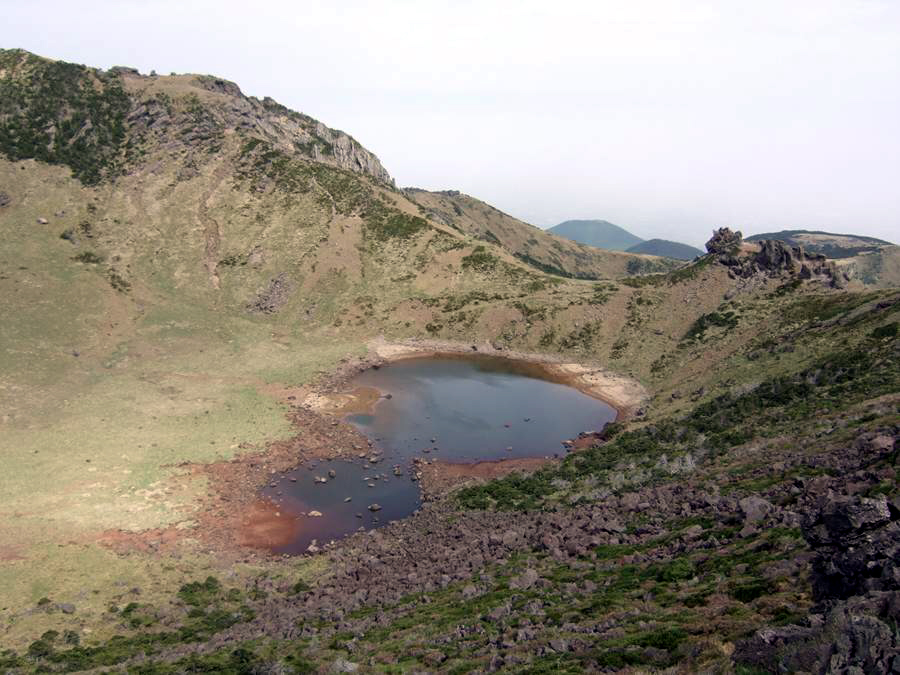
[[212, 231]]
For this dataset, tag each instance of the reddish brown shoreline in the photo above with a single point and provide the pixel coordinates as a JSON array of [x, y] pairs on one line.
[[237, 522]]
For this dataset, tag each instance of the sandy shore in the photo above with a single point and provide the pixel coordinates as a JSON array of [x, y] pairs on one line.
[[622, 393], [236, 521]]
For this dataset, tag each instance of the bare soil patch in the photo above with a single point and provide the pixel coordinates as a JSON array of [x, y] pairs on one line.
[[234, 519]]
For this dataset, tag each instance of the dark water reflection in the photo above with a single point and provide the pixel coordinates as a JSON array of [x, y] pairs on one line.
[[451, 408]]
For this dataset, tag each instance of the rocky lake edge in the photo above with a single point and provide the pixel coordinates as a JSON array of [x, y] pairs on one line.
[[236, 522]]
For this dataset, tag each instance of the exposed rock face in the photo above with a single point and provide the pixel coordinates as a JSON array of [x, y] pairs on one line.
[[754, 508], [857, 542], [855, 578], [724, 241], [774, 258], [192, 113], [286, 130], [219, 85], [4, 199], [850, 638]]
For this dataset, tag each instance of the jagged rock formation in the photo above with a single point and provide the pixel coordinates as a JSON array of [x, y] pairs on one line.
[[101, 123], [724, 241], [774, 258], [852, 637], [857, 540]]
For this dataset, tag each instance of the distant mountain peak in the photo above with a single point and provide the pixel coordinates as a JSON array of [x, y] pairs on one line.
[[666, 249], [596, 233]]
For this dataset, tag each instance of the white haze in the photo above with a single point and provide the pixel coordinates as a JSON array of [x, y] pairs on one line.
[[668, 118]]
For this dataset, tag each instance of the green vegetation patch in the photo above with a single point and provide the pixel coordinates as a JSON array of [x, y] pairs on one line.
[[480, 260], [697, 332], [384, 223], [836, 381], [62, 113]]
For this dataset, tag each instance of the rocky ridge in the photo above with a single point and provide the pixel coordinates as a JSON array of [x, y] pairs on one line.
[[102, 122], [773, 257]]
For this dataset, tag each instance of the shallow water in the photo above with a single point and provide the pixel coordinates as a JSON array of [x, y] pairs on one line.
[[451, 408]]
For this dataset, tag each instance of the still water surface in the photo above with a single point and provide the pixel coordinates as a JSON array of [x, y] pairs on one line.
[[450, 408]]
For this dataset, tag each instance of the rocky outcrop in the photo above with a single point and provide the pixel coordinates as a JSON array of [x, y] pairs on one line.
[[855, 576], [857, 544], [724, 241], [4, 199], [774, 258], [348, 154], [219, 85], [263, 120], [853, 637], [187, 116]]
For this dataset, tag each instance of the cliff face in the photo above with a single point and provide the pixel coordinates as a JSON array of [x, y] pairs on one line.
[[103, 123]]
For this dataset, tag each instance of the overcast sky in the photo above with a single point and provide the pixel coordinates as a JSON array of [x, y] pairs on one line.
[[668, 118]]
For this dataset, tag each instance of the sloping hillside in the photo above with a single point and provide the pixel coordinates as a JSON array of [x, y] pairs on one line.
[[828, 244], [102, 123], [553, 254], [596, 233], [878, 269]]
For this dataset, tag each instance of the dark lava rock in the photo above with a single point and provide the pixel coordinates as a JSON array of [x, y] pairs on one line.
[[854, 637], [724, 241], [857, 546], [218, 85], [526, 580], [754, 508]]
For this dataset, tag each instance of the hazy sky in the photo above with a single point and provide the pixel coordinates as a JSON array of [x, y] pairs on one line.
[[667, 117]]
